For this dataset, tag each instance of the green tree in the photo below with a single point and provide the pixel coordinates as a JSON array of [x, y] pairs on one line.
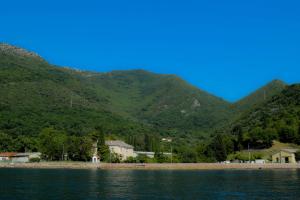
[[148, 143], [219, 148], [188, 155], [268, 135], [86, 148], [73, 148], [25, 144], [103, 151], [6, 142], [237, 131], [52, 144], [288, 134]]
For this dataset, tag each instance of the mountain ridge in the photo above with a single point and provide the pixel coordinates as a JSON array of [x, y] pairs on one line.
[[99, 73]]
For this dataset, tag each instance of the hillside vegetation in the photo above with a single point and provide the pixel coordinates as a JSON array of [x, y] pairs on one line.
[[278, 118], [261, 95], [36, 94]]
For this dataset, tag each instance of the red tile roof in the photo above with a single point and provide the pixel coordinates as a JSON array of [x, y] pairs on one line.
[[7, 154]]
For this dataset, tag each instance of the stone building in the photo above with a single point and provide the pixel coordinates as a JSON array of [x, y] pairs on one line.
[[284, 156]]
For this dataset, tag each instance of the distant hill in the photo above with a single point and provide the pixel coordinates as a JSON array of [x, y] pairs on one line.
[[277, 118], [35, 94], [164, 101], [282, 106], [261, 95]]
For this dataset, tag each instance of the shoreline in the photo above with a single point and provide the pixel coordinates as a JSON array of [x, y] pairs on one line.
[[149, 166]]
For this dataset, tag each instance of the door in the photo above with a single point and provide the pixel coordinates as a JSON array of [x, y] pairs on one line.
[[286, 159]]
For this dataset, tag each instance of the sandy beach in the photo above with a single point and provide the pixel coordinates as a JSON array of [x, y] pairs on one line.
[[148, 166]]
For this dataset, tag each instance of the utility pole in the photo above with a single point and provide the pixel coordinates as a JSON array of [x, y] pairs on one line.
[[109, 156], [63, 152], [168, 140], [171, 154], [249, 156]]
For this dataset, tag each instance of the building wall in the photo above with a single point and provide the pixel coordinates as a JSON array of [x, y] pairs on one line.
[[124, 152], [4, 159], [145, 153], [281, 157], [20, 159]]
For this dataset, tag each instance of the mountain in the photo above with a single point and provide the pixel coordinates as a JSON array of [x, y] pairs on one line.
[[164, 101], [261, 95], [35, 94], [282, 106], [278, 118]]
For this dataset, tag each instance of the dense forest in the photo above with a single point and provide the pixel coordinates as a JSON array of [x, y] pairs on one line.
[[59, 110]]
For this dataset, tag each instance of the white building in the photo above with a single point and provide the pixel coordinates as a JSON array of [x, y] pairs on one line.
[[260, 161], [121, 148]]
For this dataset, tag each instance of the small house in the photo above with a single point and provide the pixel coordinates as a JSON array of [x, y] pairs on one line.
[[18, 157], [7, 156], [284, 156]]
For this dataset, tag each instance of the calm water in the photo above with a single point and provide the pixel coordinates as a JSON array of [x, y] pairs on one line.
[[126, 184]]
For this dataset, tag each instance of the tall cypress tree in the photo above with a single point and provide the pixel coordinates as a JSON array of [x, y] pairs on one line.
[[219, 148]]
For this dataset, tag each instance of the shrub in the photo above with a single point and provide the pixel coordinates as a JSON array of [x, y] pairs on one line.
[[130, 160], [34, 160]]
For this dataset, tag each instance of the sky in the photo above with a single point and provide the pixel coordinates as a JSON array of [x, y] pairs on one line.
[[228, 48]]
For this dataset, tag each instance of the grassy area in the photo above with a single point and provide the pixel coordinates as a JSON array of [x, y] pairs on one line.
[[262, 153]]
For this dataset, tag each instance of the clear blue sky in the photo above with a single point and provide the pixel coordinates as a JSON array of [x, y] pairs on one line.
[[228, 48]]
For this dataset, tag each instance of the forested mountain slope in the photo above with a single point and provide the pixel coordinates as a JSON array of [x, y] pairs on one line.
[[35, 94], [261, 95], [278, 118]]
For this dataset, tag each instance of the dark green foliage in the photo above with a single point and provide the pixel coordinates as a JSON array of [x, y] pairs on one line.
[[18, 144], [79, 148], [238, 143], [6, 142], [261, 138], [139, 159], [131, 160], [25, 144], [219, 147], [161, 158], [288, 134], [34, 160], [187, 155], [146, 142], [52, 144], [115, 158]]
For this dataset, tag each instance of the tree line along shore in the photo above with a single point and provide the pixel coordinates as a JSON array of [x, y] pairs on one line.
[[56, 145]]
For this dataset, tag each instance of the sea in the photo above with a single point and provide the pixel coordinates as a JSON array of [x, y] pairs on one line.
[[148, 184]]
